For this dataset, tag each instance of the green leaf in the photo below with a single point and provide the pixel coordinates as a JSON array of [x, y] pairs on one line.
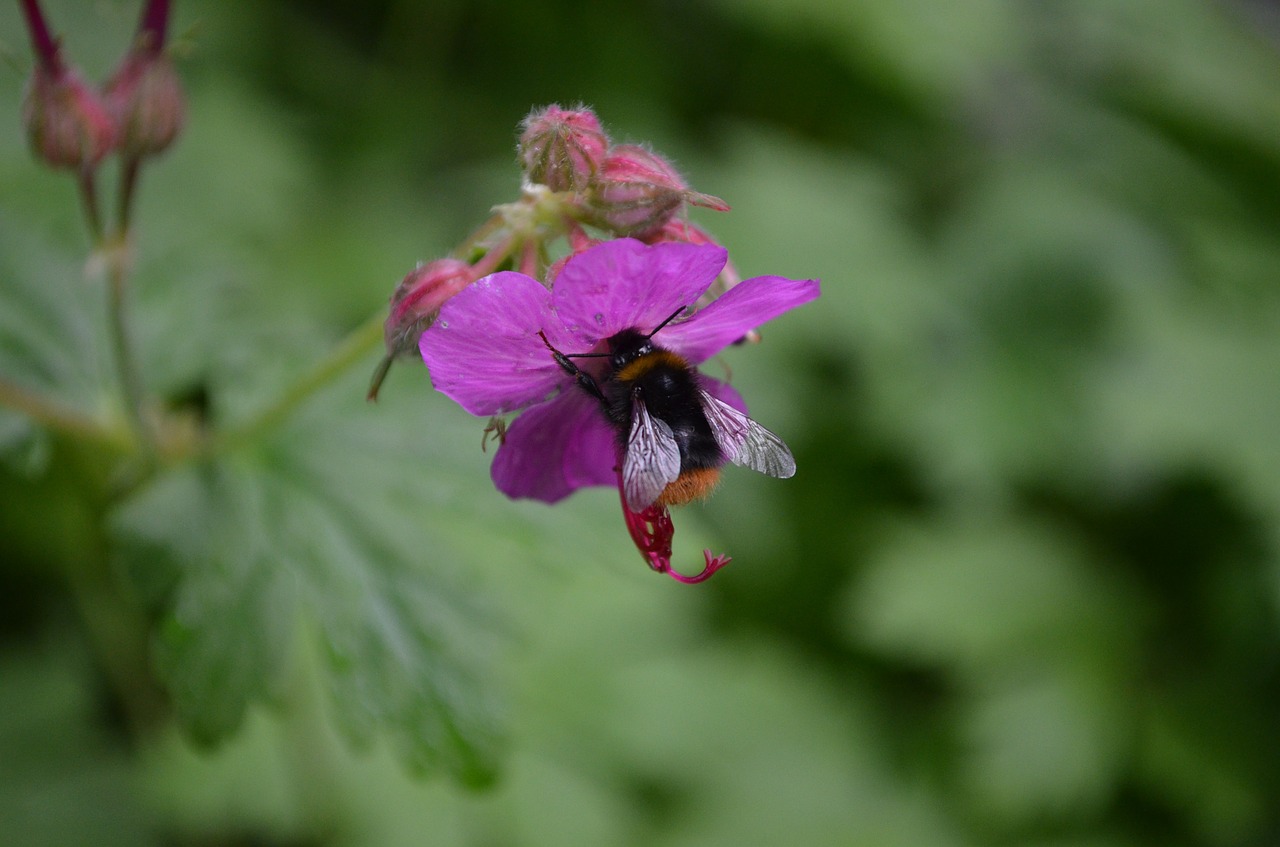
[[1047, 742], [230, 618], [49, 314], [306, 533], [23, 448], [982, 593], [51, 341], [66, 779], [931, 53]]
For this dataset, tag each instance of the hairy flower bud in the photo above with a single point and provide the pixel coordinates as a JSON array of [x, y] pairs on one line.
[[562, 148], [417, 301], [637, 192], [414, 306], [67, 125], [145, 96]]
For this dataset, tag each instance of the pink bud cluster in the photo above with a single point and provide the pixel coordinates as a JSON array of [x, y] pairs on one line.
[[562, 149], [577, 186], [138, 112], [625, 189]]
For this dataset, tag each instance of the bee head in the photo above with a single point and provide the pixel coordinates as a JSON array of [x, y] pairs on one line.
[[627, 346]]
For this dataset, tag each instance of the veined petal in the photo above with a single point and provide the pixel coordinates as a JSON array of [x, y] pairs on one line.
[[483, 350], [624, 284], [744, 307], [555, 448]]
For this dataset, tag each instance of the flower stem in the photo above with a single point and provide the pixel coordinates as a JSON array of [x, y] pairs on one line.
[[89, 200], [152, 25], [350, 350], [122, 344], [44, 44], [129, 168]]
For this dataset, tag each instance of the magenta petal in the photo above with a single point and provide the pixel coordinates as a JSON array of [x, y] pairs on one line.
[[483, 350], [555, 448], [624, 284], [744, 307]]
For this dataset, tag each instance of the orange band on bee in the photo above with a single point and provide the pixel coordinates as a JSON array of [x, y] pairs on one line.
[[693, 484], [635, 370]]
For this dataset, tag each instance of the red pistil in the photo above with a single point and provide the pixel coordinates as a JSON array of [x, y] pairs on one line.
[[651, 530]]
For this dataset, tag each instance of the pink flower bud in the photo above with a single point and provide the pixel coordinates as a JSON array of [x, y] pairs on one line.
[[562, 148], [145, 97], [67, 125], [417, 301], [637, 192]]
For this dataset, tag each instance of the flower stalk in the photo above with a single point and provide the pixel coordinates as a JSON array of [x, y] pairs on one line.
[[122, 348], [70, 125]]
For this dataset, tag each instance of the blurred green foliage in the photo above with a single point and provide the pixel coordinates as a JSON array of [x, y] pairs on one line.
[[1023, 589]]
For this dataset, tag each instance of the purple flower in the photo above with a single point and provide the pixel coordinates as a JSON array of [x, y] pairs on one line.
[[491, 350]]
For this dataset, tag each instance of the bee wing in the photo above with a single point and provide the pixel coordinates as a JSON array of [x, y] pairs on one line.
[[652, 459], [744, 442]]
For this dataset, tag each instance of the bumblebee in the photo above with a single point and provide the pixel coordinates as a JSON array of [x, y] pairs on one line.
[[673, 435]]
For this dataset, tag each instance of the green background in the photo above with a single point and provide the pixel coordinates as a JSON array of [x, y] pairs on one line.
[[1023, 589]]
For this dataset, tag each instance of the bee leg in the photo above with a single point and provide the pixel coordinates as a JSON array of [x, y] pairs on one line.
[[580, 376]]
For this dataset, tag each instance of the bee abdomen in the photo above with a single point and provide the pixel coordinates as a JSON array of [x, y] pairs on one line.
[[694, 484]]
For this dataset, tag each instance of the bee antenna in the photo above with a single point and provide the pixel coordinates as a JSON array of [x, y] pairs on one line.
[[669, 319], [543, 336]]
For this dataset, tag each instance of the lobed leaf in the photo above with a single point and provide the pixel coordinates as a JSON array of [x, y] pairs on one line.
[[299, 535]]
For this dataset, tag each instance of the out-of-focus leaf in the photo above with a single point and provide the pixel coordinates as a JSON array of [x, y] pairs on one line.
[[1199, 388], [1043, 743], [974, 595], [812, 772], [318, 530], [23, 448], [49, 315], [1183, 756], [1038, 639], [935, 52], [229, 623], [1189, 65], [65, 780], [51, 343]]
